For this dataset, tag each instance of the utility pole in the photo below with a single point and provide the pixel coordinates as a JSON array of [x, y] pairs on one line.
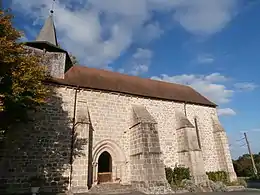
[[251, 155]]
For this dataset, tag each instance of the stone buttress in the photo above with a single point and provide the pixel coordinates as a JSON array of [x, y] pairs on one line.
[[222, 148], [147, 169], [81, 167], [189, 152]]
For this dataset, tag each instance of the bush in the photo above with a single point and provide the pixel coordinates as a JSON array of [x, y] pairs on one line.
[[239, 182], [217, 186], [169, 174], [255, 178], [218, 176], [176, 175], [190, 186]]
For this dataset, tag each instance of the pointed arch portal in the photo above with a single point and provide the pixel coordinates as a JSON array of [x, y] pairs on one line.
[[104, 167], [108, 162]]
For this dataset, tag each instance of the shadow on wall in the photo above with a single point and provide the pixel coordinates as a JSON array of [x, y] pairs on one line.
[[42, 147]]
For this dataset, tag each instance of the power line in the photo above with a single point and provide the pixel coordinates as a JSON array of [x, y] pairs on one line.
[[242, 145], [240, 139]]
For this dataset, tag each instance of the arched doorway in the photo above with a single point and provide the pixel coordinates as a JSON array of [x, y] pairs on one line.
[[104, 167], [118, 160]]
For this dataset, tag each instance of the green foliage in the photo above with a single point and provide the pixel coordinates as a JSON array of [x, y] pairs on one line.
[[169, 174], [218, 176], [239, 182], [21, 76], [243, 165], [217, 186], [190, 186], [176, 175], [255, 177], [73, 59]]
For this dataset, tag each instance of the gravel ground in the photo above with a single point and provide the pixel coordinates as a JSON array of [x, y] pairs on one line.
[[247, 192]]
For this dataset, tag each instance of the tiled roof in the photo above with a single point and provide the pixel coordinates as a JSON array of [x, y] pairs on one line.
[[116, 82]]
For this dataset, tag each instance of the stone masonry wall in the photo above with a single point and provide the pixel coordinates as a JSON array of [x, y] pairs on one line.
[[110, 120], [110, 114], [55, 61], [205, 128], [40, 147]]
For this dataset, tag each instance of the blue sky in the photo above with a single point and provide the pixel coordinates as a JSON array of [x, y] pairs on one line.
[[211, 45]]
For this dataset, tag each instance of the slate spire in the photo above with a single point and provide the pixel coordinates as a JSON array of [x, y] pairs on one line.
[[48, 31]]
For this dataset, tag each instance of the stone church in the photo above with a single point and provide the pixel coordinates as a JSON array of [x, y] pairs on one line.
[[101, 126]]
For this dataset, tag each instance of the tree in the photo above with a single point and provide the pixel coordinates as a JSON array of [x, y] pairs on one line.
[[74, 60], [21, 76], [29, 151], [243, 165]]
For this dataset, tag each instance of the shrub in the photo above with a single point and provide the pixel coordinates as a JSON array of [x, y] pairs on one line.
[[239, 182], [176, 175], [190, 186], [217, 186], [220, 176], [255, 178], [169, 174]]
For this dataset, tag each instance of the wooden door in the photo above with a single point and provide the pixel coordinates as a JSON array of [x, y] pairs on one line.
[[104, 177], [104, 168]]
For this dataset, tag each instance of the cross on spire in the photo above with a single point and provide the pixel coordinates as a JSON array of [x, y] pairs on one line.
[[48, 32], [52, 7]]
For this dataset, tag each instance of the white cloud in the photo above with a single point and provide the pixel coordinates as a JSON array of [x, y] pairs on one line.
[[245, 86], [99, 31], [139, 62], [226, 112], [211, 86], [255, 130], [205, 59], [149, 33], [139, 69], [142, 54], [205, 16], [216, 77], [251, 130]]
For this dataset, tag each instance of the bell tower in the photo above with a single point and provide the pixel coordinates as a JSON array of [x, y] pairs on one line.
[[55, 58]]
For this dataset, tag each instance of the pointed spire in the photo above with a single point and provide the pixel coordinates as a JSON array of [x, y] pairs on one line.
[[48, 32]]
